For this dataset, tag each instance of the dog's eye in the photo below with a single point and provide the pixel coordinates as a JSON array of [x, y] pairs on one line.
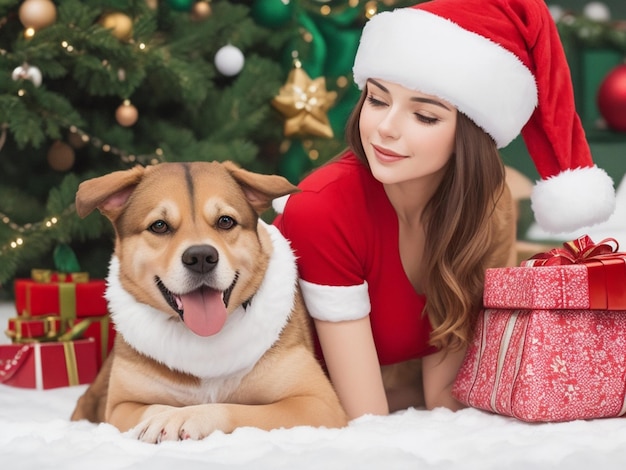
[[159, 226], [225, 222]]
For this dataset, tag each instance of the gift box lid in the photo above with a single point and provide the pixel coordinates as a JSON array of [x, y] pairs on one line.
[[546, 287], [584, 276]]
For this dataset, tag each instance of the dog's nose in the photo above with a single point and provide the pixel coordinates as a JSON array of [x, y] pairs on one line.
[[200, 258]]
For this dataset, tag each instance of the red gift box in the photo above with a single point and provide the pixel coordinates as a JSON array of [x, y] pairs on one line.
[[550, 344], [76, 300], [66, 296], [23, 329], [48, 365], [101, 329]]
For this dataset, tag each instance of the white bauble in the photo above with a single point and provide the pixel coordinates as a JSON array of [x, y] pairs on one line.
[[27, 72], [597, 11], [557, 12], [229, 60]]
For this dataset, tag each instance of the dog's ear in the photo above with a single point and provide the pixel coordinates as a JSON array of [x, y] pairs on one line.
[[108, 193], [260, 189]]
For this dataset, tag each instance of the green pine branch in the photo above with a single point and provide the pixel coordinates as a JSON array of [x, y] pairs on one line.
[[187, 111]]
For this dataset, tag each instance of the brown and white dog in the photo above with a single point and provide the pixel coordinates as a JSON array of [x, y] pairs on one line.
[[212, 333]]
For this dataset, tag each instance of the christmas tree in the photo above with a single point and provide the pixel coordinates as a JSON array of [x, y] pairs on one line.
[[96, 86]]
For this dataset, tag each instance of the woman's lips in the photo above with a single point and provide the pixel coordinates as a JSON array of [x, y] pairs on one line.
[[387, 156]]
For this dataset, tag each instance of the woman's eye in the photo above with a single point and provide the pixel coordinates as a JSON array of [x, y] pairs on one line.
[[226, 222], [160, 226], [426, 119], [375, 102]]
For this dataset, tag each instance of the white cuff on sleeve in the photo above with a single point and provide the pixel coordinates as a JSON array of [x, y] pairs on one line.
[[336, 303]]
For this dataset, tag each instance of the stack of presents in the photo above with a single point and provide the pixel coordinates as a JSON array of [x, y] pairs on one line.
[[549, 344], [61, 333]]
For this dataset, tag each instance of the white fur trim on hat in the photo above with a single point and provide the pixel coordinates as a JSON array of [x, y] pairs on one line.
[[573, 199], [336, 303], [430, 54]]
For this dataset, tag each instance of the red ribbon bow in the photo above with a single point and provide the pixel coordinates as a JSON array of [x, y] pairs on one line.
[[606, 269], [580, 251]]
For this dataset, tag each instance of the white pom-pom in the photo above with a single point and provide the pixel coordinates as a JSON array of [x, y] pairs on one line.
[[573, 199]]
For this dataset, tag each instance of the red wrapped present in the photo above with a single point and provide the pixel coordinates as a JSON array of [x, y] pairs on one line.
[[24, 329], [74, 299], [550, 344], [48, 365], [68, 295], [101, 329]]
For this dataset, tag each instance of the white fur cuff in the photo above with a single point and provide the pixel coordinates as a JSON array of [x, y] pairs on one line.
[[336, 303]]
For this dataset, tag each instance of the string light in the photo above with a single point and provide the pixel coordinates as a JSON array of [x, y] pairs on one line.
[[125, 157], [52, 222], [48, 223]]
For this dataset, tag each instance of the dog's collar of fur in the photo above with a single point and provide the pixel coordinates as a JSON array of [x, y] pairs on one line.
[[246, 336]]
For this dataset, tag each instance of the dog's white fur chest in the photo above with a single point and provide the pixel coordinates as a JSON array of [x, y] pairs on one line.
[[226, 356], [210, 390]]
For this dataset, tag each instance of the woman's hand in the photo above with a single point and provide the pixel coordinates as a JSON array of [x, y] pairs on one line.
[[439, 372]]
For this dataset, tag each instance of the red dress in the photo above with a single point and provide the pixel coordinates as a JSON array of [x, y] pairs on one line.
[[344, 232]]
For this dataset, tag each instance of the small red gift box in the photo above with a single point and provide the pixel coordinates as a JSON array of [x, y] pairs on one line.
[[48, 365], [550, 344], [23, 329], [67, 295]]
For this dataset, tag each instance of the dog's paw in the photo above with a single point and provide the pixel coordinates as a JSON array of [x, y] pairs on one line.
[[175, 424]]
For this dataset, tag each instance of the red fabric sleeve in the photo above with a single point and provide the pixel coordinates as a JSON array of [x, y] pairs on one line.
[[323, 228]]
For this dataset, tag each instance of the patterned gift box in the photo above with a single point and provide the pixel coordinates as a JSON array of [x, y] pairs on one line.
[[48, 365], [550, 344]]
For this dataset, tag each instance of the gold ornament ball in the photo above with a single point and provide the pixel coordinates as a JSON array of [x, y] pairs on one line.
[[200, 11], [37, 14], [126, 114], [60, 156], [121, 25]]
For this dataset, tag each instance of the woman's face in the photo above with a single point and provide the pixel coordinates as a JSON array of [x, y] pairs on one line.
[[406, 134]]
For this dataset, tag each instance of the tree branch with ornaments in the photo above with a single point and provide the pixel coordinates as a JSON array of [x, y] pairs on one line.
[[94, 86]]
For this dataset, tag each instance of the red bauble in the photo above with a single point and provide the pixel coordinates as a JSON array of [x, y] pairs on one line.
[[612, 98]]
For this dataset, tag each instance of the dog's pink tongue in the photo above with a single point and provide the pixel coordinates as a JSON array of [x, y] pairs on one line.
[[204, 311]]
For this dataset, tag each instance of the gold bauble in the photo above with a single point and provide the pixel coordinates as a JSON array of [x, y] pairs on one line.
[[120, 24], [60, 156], [126, 114], [37, 14], [201, 10]]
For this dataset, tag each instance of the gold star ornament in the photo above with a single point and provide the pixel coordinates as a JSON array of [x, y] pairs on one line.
[[304, 103]]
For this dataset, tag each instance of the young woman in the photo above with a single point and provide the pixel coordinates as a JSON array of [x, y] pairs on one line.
[[393, 237]]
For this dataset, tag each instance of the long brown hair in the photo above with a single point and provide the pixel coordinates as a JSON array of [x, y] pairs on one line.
[[458, 235]]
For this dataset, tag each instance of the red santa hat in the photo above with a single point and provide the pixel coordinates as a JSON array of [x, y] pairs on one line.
[[502, 64]]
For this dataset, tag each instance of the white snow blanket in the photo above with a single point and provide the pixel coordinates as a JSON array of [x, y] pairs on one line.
[[35, 433]]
